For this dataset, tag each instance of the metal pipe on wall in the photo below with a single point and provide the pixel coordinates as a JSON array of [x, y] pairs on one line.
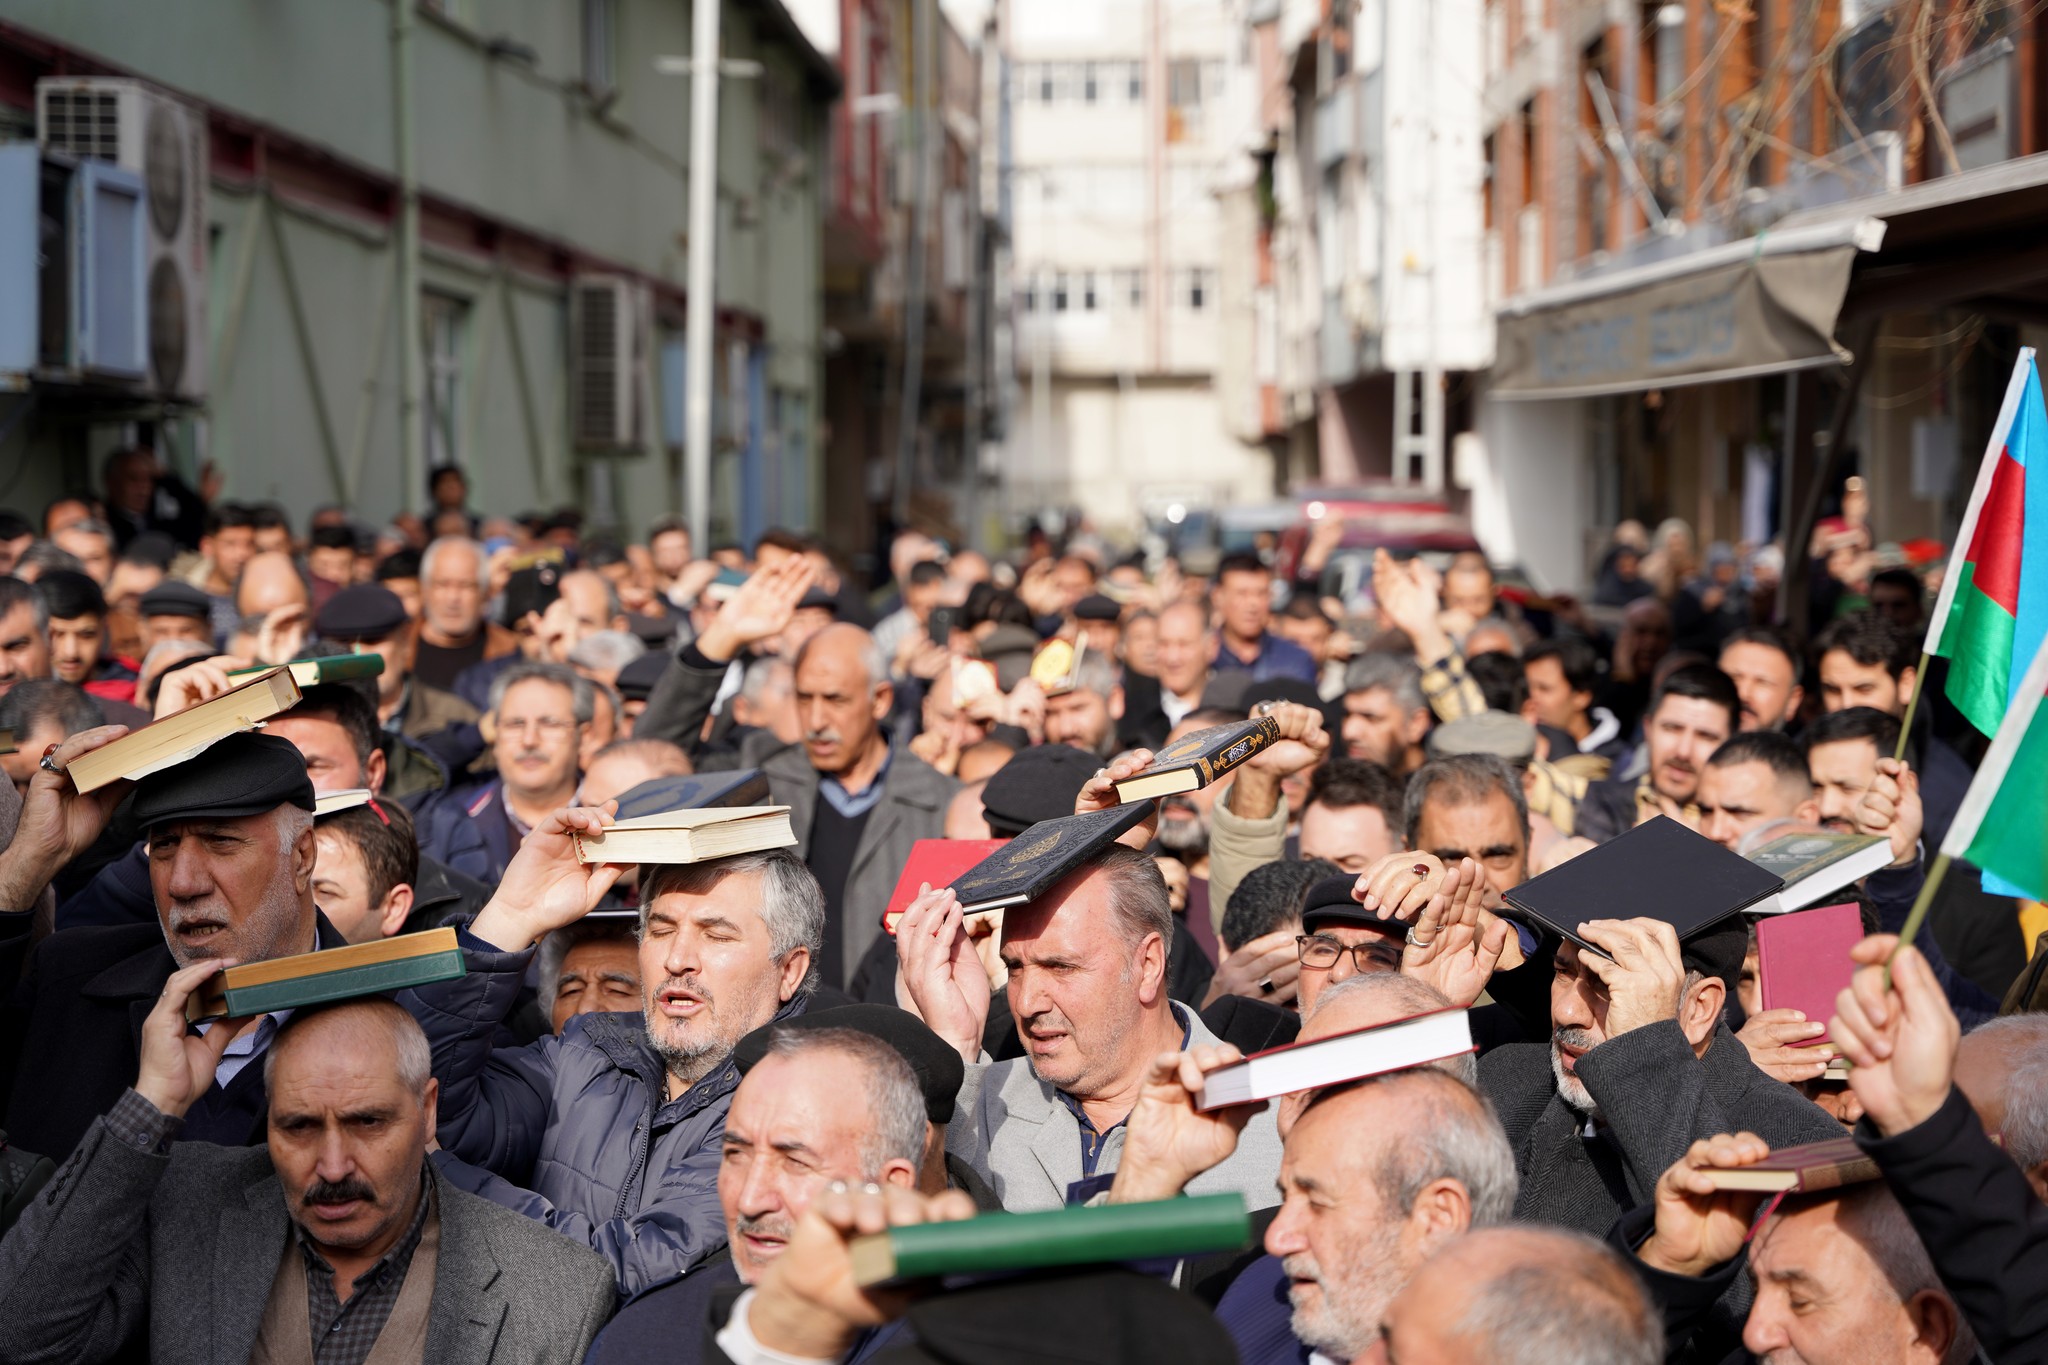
[[703, 260], [410, 433]]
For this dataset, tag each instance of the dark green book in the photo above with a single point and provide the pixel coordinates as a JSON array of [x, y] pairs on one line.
[[998, 1242], [332, 668], [285, 983], [1195, 760], [1030, 863]]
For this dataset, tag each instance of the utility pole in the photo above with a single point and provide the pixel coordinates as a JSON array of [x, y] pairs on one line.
[[411, 436], [703, 261], [913, 267]]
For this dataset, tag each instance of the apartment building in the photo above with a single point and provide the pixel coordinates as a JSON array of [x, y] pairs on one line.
[[1119, 152]]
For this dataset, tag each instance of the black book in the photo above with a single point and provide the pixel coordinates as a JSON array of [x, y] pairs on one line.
[[1658, 870], [1199, 758], [699, 791], [1030, 863]]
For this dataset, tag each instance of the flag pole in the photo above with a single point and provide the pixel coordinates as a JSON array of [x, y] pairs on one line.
[[2008, 409], [1918, 917]]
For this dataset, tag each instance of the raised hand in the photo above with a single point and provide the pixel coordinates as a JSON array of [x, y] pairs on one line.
[[1644, 972], [1266, 968], [195, 683], [760, 609], [939, 977], [1409, 602], [177, 1066], [57, 822], [1890, 809], [1099, 793], [1303, 742], [1900, 1041], [1772, 1038], [545, 887], [1456, 946], [808, 1304], [1167, 1140], [1399, 885], [282, 635], [1699, 1227]]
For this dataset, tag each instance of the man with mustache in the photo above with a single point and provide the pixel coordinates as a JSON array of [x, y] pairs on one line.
[[1692, 713], [335, 1242], [230, 849], [857, 803], [859, 1095], [609, 1131]]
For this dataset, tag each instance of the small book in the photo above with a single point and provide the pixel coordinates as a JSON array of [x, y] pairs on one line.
[[1030, 863], [289, 983], [1057, 665], [329, 803], [1195, 760], [1341, 1057], [999, 1242], [1815, 864], [934, 862], [1802, 960], [697, 791], [1805, 1169], [689, 836], [1659, 870], [331, 668], [178, 737]]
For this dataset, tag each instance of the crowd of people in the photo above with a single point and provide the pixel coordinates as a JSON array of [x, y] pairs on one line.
[[649, 1119]]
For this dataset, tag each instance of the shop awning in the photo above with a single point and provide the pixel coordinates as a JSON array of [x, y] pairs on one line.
[[1764, 305]]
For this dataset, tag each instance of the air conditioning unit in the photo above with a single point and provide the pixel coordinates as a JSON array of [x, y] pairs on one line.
[[71, 253], [163, 140], [608, 330]]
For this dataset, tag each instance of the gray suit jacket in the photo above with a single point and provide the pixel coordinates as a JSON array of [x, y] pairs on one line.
[[913, 807], [126, 1247], [1014, 1129]]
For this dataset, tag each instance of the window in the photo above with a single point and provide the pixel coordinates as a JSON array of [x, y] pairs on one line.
[[1059, 291], [1045, 91], [1088, 83], [1195, 288], [1128, 288], [1027, 297], [600, 70], [1134, 81], [444, 321], [1088, 300], [1184, 83]]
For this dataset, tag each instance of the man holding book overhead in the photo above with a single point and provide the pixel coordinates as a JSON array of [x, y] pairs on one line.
[[609, 1131], [231, 858], [1087, 964]]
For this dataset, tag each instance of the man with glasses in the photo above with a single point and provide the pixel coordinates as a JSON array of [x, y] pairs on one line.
[[1341, 939], [538, 715]]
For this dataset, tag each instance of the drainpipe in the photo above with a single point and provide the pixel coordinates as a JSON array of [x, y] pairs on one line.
[[699, 315], [412, 442]]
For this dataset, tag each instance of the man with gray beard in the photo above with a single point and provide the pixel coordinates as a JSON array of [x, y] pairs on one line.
[[1639, 1067], [230, 843], [609, 1131]]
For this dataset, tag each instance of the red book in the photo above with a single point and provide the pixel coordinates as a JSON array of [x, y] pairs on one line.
[[937, 862], [1802, 960]]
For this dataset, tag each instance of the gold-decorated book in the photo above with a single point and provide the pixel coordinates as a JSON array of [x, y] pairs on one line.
[[1195, 760], [178, 737], [689, 836], [1030, 863]]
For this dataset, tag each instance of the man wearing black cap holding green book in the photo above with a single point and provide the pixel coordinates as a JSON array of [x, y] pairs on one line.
[[231, 856]]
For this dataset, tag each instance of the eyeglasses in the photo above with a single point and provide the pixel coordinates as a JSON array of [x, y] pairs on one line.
[[547, 725], [1321, 953]]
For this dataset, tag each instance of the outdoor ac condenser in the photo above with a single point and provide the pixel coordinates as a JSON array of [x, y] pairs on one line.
[[164, 141], [607, 361]]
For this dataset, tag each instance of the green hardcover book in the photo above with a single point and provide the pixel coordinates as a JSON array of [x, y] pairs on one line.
[[333, 668], [388, 964], [1035, 1241]]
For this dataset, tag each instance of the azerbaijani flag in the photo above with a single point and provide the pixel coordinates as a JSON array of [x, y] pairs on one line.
[[1992, 614], [1999, 826]]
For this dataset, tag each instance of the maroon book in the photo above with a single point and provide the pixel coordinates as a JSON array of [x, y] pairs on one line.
[[1802, 960]]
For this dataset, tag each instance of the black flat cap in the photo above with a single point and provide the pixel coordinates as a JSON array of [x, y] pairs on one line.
[[1096, 607], [817, 598], [151, 547], [1329, 902], [636, 680], [1227, 691], [937, 1066], [367, 611], [177, 599], [243, 774], [1039, 783]]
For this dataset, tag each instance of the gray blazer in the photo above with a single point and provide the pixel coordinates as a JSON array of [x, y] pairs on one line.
[[126, 1246], [913, 807], [1014, 1129]]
